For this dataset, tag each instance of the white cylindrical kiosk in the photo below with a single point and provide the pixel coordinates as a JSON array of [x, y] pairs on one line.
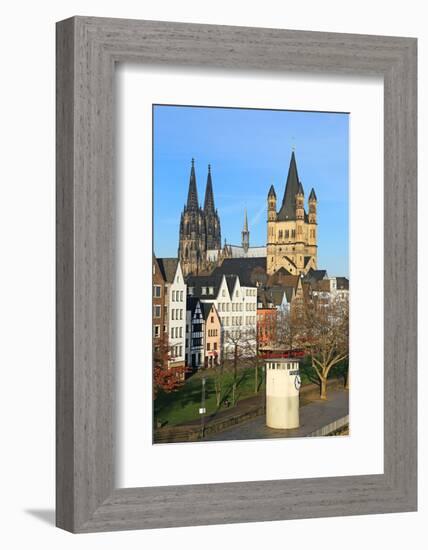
[[282, 393]]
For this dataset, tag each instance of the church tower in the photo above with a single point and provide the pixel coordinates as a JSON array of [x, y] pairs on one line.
[[212, 219], [245, 234], [192, 239], [292, 233]]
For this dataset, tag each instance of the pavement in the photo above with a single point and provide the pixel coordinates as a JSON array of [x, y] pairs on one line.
[[313, 416]]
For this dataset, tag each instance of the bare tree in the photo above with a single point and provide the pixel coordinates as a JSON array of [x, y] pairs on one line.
[[288, 326], [324, 333], [251, 347], [218, 378], [236, 349]]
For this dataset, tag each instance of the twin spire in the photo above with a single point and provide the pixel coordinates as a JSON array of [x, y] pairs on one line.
[[192, 196]]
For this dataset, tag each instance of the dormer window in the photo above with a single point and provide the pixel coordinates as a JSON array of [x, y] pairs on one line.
[[204, 290]]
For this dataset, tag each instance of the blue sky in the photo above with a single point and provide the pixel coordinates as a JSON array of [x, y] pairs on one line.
[[248, 151]]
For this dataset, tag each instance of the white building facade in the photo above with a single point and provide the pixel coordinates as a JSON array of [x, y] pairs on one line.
[[176, 291], [236, 306]]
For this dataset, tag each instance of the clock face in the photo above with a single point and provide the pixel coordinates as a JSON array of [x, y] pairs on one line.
[[297, 382]]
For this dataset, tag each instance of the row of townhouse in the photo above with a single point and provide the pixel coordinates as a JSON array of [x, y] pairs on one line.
[[234, 303], [201, 321]]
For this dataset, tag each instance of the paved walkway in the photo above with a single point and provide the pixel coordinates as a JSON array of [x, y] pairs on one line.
[[312, 417]]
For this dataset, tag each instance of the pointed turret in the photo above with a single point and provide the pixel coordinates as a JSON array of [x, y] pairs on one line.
[[209, 195], [288, 207], [271, 200], [312, 206], [192, 195]]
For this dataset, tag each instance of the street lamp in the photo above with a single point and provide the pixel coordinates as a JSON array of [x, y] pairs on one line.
[[202, 409]]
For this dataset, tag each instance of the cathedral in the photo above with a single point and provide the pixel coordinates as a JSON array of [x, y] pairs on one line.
[[291, 231], [199, 227]]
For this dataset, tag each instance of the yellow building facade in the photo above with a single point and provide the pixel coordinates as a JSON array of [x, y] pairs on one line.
[[291, 230]]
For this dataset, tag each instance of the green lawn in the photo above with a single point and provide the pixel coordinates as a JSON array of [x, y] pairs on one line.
[[183, 405]]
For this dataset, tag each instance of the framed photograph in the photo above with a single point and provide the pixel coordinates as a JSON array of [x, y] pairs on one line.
[[236, 274]]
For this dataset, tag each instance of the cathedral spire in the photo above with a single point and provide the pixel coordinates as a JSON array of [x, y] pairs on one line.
[[192, 196], [209, 195]]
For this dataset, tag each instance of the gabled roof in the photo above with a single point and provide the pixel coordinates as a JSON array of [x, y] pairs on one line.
[[207, 308], [288, 207], [191, 304], [283, 278], [315, 275], [168, 267], [249, 270], [231, 282], [157, 266], [342, 283], [197, 282]]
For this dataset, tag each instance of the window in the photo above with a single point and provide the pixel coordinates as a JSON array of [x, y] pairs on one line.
[[157, 311], [191, 290], [156, 331], [173, 332], [156, 291], [211, 290], [181, 332], [223, 293], [181, 295], [215, 345], [212, 318], [173, 314], [181, 314], [204, 290], [287, 234], [173, 295], [293, 233], [208, 346]]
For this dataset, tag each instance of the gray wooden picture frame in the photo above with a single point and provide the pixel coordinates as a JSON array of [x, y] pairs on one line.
[[87, 50]]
